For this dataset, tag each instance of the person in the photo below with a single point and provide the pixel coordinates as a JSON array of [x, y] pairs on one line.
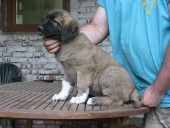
[[140, 37]]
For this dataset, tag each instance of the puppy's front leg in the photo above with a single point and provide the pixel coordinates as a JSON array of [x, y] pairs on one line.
[[80, 98], [84, 80], [66, 88]]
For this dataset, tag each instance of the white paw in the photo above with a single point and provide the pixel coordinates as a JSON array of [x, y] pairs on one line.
[[66, 88], [90, 101], [77, 100], [80, 99], [59, 97]]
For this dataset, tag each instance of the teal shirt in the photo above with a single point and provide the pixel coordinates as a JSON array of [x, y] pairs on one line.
[[139, 34]]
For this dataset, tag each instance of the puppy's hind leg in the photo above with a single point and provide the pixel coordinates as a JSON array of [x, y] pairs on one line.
[[105, 100], [135, 98]]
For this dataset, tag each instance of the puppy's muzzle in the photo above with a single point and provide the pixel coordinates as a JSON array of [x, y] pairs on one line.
[[50, 29]]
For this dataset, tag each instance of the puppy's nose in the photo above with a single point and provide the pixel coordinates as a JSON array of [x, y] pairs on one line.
[[40, 28]]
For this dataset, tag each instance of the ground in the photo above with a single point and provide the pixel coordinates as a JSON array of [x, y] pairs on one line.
[[133, 123]]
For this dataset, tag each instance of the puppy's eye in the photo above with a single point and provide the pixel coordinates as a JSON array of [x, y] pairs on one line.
[[57, 24]]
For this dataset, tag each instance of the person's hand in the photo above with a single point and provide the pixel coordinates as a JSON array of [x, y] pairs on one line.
[[151, 97], [51, 45]]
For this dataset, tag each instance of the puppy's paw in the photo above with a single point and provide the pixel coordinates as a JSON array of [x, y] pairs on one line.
[[77, 100], [91, 101], [81, 98], [59, 97]]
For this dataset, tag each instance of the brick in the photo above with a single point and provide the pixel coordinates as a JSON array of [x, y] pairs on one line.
[[20, 60], [93, 9], [52, 71], [48, 55], [22, 37], [38, 122], [53, 126], [50, 122], [38, 66], [51, 60], [29, 55], [82, 9], [49, 77], [33, 60], [26, 71], [59, 77], [3, 44], [38, 77], [35, 49], [3, 49], [20, 122], [83, 21], [39, 126], [42, 60], [20, 126], [50, 66], [88, 4], [7, 54], [85, 16], [34, 72], [35, 37], [38, 43], [38, 54], [19, 54], [1, 60], [16, 48], [13, 37], [26, 43], [9, 59]]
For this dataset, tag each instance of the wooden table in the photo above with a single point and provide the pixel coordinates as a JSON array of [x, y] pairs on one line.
[[32, 100]]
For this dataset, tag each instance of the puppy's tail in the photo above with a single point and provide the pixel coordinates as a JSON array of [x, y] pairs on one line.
[[135, 98]]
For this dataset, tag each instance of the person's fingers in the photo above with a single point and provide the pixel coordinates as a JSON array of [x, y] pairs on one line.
[[52, 46], [54, 50], [50, 42]]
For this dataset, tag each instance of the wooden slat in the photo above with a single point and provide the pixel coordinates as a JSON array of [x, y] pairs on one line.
[[66, 106], [88, 108], [81, 107], [39, 104], [45, 102]]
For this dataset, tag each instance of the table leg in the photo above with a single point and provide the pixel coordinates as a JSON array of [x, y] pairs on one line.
[[114, 123], [29, 124]]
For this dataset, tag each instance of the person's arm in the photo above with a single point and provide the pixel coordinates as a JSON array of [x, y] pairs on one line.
[[153, 95], [97, 29]]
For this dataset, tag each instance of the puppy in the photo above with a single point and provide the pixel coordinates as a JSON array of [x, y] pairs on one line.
[[90, 68]]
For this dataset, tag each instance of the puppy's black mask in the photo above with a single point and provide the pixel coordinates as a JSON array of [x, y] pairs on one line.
[[64, 29], [50, 29]]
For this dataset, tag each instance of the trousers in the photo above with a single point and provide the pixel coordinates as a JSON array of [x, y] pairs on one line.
[[157, 118]]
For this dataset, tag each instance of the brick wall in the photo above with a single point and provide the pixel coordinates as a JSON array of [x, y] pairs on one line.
[[27, 52]]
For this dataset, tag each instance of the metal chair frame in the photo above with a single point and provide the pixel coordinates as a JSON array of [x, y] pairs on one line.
[[9, 73]]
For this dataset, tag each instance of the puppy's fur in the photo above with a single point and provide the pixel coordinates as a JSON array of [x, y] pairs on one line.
[[90, 68]]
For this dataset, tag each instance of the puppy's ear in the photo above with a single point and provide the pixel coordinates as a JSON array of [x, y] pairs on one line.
[[69, 30]]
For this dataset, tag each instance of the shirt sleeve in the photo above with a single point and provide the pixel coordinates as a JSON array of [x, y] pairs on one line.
[[101, 3]]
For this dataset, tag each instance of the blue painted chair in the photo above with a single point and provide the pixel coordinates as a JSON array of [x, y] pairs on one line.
[[9, 73]]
